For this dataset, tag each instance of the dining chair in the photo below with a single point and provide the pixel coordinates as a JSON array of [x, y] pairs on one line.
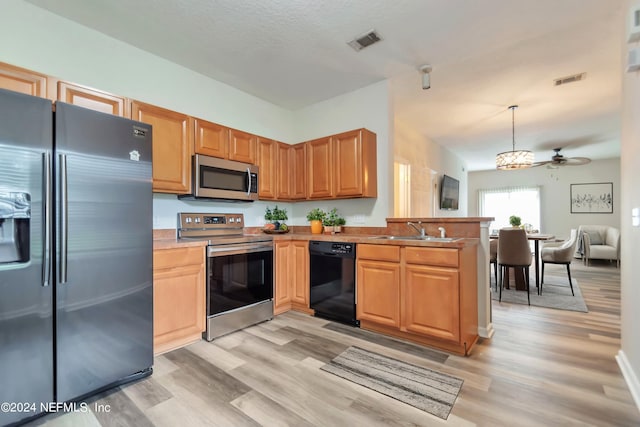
[[514, 252], [559, 253], [493, 258]]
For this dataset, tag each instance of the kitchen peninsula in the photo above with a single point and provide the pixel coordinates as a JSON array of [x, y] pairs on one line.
[[420, 290]]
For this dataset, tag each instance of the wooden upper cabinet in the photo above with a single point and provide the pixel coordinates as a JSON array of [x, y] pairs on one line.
[[172, 145], [242, 146], [355, 168], [298, 172], [319, 169], [211, 139], [92, 99], [267, 161], [22, 80], [284, 170]]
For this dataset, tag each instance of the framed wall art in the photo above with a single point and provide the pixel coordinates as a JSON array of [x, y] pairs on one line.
[[592, 198]]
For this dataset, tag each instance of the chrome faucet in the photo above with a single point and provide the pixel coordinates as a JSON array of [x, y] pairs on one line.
[[443, 232], [419, 228]]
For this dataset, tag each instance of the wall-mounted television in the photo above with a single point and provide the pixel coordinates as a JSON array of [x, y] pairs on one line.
[[449, 193]]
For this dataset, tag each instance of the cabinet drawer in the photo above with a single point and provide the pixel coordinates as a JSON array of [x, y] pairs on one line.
[[432, 256], [177, 257], [379, 252]]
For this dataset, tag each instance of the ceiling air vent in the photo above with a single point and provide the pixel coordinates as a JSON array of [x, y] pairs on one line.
[[570, 79], [364, 40]]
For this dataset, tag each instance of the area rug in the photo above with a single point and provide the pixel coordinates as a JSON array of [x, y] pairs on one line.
[[420, 387], [556, 293]]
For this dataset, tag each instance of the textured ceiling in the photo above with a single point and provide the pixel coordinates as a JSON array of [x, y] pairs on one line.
[[486, 55]]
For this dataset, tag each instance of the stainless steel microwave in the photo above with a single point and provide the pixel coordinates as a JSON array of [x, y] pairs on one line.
[[222, 179]]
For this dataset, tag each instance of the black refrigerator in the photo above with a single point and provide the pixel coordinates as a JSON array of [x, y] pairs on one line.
[[76, 294]]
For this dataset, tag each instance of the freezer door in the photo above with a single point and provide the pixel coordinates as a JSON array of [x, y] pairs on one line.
[[104, 251], [26, 313]]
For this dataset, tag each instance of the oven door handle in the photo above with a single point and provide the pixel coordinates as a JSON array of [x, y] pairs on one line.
[[215, 251]]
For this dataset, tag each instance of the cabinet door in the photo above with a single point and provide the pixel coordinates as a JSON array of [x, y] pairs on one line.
[[172, 144], [242, 146], [299, 172], [21, 80], [283, 279], [284, 171], [179, 307], [355, 168], [431, 302], [211, 139], [92, 99], [347, 153], [300, 276], [267, 160], [378, 292], [319, 169]]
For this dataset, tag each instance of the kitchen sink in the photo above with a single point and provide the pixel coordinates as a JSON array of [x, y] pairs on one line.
[[419, 238]]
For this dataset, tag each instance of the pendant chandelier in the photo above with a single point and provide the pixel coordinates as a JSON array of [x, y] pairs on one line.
[[513, 159]]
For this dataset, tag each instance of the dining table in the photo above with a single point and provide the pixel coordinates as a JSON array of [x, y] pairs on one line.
[[536, 238]]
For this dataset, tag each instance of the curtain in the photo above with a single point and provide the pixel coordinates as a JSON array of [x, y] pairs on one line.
[[501, 203]]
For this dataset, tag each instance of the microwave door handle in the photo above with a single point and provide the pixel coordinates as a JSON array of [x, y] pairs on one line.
[[249, 186]]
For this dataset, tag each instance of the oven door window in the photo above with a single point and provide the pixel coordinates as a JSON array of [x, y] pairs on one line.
[[239, 280], [223, 179]]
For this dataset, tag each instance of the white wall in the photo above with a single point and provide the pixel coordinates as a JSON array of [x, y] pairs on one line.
[[555, 216], [629, 356], [41, 41], [369, 108], [423, 154]]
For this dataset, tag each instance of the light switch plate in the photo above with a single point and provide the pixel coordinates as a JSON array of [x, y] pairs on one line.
[[635, 217], [634, 24]]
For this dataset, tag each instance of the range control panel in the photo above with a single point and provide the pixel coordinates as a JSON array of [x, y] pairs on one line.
[[204, 221]]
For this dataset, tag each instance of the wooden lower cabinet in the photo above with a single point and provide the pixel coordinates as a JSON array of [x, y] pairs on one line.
[[291, 276], [427, 295], [431, 302], [179, 297]]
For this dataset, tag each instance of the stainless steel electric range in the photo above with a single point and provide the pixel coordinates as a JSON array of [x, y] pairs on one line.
[[239, 271]]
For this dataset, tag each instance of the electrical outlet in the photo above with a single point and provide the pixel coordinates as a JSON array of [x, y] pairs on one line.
[[357, 219]]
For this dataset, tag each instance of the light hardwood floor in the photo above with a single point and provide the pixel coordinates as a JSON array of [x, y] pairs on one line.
[[543, 367]]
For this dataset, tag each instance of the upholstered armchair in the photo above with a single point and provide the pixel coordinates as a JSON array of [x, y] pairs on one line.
[[598, 242]]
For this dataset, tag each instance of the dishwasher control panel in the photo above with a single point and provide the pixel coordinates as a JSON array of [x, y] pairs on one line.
[[345, 249]]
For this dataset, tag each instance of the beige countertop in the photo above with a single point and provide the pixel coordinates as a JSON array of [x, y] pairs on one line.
[[371, 239], [162, 240]]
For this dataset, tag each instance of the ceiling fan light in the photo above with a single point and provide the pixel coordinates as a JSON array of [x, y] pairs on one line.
[[520, 159]]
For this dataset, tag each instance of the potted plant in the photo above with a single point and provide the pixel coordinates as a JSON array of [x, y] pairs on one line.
[[316, 216], [276, 218], [515, 221], [333, 221]]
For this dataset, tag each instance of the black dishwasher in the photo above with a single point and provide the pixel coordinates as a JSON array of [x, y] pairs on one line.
[[332, 271]]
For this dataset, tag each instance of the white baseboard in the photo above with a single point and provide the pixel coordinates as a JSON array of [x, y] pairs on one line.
[[486, 332], [629, 376]]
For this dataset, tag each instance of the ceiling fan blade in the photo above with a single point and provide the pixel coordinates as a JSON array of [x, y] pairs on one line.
[[536, 164], [575, 161]]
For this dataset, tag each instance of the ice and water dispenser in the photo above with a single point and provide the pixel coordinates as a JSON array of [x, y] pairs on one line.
[[15, 214]]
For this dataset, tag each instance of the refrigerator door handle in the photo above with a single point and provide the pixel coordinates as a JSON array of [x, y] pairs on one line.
[[46, 253], [64, 218]]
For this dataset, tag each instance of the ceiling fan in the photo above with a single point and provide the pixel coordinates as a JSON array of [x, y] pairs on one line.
[[559, 160]]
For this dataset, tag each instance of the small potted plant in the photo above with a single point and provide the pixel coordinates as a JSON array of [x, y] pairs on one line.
[[276, 218], [515, 221], [333, 222], [316, 216]]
